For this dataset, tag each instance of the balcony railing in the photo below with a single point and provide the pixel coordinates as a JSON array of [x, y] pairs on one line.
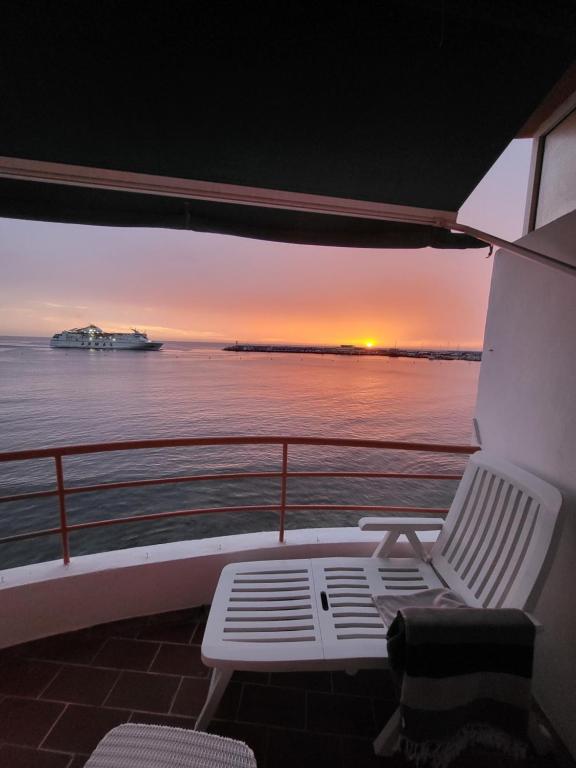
[[62, 491]]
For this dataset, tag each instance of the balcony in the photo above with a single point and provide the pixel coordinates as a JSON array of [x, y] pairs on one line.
[[60, 694]]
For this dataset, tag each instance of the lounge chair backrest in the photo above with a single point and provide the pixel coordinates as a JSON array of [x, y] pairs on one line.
[[497, 533]]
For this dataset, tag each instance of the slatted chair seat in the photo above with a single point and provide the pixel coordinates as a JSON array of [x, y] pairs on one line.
[[292, 613], [318, 614]]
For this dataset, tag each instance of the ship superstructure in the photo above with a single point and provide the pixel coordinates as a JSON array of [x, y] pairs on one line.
[[92, 337]]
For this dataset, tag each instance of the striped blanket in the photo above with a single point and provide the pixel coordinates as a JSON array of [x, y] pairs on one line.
[[464, 676]]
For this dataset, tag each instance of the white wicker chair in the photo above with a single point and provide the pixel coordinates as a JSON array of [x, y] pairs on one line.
[[158, 746]]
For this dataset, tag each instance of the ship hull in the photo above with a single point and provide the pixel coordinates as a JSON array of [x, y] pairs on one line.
[[107, 345]]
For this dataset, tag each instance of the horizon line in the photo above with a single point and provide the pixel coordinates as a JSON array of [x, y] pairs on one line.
[[335, 345]]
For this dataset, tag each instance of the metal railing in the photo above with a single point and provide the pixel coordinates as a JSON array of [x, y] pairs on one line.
[[61, 491]]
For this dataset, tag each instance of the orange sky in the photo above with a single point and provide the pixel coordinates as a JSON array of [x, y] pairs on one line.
[[190, 286]]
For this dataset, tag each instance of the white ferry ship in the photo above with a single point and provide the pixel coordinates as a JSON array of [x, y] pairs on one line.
[[92, 337]]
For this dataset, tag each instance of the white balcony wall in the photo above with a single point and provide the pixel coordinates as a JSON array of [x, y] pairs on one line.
[[526, 412]]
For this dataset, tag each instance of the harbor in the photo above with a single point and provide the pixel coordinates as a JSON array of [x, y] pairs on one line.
[[353, 350]]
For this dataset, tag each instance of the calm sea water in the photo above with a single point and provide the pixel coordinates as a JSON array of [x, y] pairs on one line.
[[58, 397]]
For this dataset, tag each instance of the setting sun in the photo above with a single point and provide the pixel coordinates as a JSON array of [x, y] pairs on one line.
[[369, 344]]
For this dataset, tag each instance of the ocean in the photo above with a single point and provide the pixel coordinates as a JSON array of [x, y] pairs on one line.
[[53, 397]]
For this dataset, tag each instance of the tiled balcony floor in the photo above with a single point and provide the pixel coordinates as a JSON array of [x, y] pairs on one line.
[[59, 696]]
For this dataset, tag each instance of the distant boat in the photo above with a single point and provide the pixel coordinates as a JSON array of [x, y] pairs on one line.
[[93, 337]]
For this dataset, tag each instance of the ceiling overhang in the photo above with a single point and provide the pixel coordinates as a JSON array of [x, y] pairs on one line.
[[342, 124]]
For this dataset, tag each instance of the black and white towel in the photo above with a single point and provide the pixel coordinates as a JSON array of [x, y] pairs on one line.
[[465, 676]]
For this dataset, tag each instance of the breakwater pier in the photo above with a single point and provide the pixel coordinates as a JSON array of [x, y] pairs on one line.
[[352, 350]]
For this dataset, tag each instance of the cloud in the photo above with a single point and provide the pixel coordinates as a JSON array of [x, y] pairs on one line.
[[61, 306], [163, 331]]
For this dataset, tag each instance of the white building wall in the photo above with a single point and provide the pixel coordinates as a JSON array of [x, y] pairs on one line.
[[526, 412]]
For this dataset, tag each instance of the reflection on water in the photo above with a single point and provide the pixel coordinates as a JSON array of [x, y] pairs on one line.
[[57, 397]]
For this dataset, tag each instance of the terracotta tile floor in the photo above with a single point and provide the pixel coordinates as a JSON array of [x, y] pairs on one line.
[[59, 696]]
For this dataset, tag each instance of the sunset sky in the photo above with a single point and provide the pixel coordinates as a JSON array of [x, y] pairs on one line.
[[189, 286]]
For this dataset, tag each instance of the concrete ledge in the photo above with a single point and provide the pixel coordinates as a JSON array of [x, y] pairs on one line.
[[50, 598]]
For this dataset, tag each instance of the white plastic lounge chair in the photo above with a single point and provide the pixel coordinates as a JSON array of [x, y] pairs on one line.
[[318, 614], [158, 746]]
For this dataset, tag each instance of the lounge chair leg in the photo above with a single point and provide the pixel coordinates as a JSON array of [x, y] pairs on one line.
[[218, 683], [386, 740]]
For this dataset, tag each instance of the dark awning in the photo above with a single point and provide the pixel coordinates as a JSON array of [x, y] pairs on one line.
[[404, 102], [51, 202]]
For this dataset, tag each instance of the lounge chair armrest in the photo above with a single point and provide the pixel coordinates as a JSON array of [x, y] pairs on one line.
[[400, 526]]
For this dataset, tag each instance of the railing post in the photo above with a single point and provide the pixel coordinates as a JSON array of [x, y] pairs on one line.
[[62, 506], [284, 480]]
